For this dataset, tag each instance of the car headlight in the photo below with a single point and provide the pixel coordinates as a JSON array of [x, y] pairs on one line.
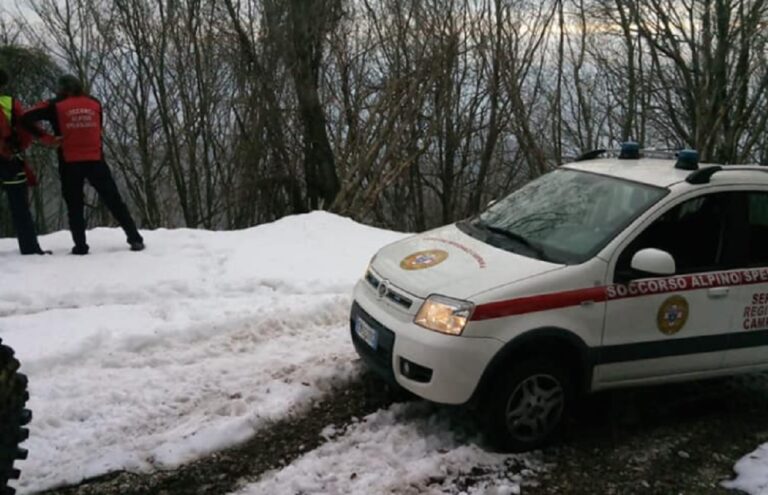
[[444, 314]]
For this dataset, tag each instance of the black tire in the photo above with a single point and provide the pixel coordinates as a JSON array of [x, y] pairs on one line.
[[13, 417], [526, 405]]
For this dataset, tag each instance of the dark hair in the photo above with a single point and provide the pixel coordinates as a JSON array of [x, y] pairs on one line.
[[3, 77], [70, 85]]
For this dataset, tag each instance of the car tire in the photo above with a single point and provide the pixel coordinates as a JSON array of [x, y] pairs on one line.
[[13, 417], [526, 405]]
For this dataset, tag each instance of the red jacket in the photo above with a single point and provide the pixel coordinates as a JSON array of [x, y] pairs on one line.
[[77, 120], [14, 138]]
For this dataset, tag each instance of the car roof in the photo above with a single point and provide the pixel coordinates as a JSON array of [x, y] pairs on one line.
[[662, 173]]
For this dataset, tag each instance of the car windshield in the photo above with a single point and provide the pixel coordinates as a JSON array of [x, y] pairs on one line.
[[565, 216]]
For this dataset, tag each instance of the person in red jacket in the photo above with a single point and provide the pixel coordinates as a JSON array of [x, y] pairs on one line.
[[14, 174], [77, 119]]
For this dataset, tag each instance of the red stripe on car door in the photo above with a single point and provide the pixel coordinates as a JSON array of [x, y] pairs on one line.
[[639, 288]]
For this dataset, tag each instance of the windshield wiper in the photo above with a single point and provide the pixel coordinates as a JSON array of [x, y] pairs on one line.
[[514, 236]]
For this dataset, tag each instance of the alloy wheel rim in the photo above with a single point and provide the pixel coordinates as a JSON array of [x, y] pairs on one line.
[[535, 407]]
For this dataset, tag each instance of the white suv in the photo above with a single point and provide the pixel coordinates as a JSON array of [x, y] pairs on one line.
[[604, 273]]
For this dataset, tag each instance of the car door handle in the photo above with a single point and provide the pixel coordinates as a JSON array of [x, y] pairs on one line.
[[718, 292]]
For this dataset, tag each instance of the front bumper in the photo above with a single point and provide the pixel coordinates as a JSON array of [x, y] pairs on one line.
[[455, 364]]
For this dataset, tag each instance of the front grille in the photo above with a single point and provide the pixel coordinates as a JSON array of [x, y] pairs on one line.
[[379, 359], [372, 280], [391, 294]]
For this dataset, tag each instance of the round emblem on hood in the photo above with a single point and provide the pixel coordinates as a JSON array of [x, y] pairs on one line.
[[423, 259], [383, 288]]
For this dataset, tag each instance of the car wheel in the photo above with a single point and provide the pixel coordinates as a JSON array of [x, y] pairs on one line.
[[13, 417], [526, 405]]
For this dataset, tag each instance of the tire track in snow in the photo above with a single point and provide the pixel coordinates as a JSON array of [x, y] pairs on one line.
[[174, 396], [274, 446]]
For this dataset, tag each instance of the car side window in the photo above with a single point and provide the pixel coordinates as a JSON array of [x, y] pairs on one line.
[[757, 203], [693, 232]]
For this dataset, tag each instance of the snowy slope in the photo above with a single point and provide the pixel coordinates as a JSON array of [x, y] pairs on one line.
[[145, 360]]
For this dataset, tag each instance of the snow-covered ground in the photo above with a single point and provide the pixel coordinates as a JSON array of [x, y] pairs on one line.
[[140, 361], [407, 449], [752, 473], [146, 360]]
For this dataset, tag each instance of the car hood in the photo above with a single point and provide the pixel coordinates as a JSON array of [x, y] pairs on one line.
[[449, 262]]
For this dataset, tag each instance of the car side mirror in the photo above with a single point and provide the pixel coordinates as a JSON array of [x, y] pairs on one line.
[[653, 261]]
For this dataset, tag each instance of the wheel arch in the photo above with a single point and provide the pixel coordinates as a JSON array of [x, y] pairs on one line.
[[562, 344]]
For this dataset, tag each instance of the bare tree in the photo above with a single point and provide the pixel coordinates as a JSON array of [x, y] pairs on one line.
[[706, 71], [403, 113]]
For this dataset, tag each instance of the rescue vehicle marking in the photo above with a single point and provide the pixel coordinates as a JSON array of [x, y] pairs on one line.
[[646, 287], [423, 259], [480, 260], [672, 315], [756, 312], [79, 118]]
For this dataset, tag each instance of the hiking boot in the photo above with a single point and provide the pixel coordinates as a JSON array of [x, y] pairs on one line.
[[37, 251], [80, 250]]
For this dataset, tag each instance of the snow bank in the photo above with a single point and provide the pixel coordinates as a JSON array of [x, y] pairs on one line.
[[147, 360], [752, 473], [409, 449]]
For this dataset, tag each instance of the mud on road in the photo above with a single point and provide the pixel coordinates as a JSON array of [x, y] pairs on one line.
[[675, 439]]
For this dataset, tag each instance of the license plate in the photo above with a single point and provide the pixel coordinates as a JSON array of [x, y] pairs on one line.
[[366, 332]]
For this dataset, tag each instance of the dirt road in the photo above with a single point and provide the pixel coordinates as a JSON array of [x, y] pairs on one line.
[[676, 439]]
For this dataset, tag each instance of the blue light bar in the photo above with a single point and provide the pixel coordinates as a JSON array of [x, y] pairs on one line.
[[630, 150], [687, 160]]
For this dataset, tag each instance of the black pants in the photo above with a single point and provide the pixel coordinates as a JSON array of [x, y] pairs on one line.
[[14, 183], [73, 176]]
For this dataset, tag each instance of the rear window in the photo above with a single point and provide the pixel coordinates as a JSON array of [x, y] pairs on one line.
[[757, 245], [758, 209]]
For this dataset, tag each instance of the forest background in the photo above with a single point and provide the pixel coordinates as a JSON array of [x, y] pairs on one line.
[[406, 114]]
